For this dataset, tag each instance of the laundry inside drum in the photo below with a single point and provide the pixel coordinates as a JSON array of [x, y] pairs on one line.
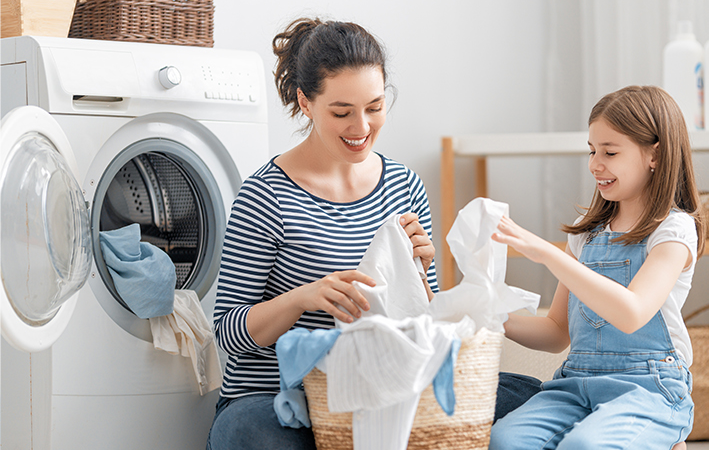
[[155, 191]]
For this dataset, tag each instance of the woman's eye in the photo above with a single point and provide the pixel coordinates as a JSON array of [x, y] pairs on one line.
[[375, 110], [592, 152], [339, 115], [611, 153]]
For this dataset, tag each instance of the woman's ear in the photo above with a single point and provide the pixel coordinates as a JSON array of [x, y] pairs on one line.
[[304, 104]]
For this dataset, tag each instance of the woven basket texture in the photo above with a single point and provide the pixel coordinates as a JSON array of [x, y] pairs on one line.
[[700, 376], [475, 384], [177, 22]]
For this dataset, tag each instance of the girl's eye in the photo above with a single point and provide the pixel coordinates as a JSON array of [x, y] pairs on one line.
[[375, 110], [611, 153], [339, 115], [592, 152]]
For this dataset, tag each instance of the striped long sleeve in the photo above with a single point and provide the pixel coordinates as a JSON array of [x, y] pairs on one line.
[[280, 237]]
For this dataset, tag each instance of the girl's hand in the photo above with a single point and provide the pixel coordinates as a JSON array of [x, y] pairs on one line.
[[423, 247], [335, 289], [528, 244]]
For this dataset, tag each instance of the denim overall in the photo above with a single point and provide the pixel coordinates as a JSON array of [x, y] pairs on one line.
[[615, 390]]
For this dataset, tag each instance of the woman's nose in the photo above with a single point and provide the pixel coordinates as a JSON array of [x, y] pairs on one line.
[[360, 125]]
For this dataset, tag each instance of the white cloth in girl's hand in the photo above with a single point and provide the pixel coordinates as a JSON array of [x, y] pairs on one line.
[[482, 295]]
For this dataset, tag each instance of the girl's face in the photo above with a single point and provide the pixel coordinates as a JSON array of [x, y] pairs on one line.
[[621, 167], [349, 113]]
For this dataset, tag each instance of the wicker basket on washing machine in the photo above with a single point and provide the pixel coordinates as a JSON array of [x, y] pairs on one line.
[[178, 22], [475, 384]]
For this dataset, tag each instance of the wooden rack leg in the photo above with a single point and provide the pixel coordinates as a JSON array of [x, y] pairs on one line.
[[480, 176], [447, 262]]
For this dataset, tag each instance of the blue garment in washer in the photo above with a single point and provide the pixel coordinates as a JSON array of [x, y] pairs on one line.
[[143, 274]]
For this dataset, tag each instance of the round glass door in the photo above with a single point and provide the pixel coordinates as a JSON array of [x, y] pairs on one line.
[[45, 242]]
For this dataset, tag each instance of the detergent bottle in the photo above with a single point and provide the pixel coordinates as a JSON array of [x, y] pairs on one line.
[[682, 74]]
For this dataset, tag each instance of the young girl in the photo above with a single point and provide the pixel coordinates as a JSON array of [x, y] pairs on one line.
[[301, 224], [623, 280]]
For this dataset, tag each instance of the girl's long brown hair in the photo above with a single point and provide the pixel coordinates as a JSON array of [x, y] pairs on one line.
[[648, 115]]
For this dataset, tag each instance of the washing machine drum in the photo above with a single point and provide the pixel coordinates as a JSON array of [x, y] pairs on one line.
[[154, 191]]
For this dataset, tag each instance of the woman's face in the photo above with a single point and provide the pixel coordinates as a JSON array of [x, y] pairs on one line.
[[349, 113]]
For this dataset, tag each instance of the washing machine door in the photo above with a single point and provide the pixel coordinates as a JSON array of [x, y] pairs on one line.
[[45, 244]]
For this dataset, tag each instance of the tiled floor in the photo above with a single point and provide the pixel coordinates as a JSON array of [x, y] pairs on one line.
[[704, 445]]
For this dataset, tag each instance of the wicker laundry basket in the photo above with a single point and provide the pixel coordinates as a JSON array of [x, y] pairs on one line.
[[475, 384], [700, 376], [178, 22]]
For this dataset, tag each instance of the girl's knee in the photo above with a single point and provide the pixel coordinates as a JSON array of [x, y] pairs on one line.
[[505, 438], [577, 441]]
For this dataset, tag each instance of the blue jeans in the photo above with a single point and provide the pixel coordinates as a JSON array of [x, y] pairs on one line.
[[250, 423], [634, 410]]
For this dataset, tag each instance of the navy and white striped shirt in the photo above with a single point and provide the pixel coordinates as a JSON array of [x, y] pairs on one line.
[[280, 237]]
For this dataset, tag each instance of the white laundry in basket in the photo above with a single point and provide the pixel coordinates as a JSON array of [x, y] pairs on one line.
[[379, 374]]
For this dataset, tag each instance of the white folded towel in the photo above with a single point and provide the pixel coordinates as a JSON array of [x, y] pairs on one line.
[[187, 332]]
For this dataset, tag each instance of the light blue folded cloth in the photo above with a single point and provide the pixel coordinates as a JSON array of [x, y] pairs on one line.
[[143, 274], [298, 352]]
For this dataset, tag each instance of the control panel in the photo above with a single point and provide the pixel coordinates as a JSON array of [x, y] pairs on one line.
[[237, 83]]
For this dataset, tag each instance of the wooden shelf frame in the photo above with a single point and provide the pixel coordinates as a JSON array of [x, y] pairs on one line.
[[479, 147]]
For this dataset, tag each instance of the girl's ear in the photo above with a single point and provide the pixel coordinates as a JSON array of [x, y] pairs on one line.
[[653, 155], [304, 104]]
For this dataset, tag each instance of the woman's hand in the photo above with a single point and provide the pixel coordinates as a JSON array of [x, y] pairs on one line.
[[423, 247], [528, 244], [335, 290]]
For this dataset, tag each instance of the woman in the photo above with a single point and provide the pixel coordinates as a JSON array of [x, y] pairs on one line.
[[300, 225]]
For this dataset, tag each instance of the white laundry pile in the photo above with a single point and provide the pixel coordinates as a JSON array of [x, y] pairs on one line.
[[187, 332], [379, 364]]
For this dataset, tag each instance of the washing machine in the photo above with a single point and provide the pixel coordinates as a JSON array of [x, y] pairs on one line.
[[97, 135]]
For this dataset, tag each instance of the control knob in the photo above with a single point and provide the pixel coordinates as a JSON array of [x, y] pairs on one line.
[[169, 77]]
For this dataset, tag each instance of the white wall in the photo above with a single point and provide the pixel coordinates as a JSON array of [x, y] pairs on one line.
[[475, 66], [459, 68]]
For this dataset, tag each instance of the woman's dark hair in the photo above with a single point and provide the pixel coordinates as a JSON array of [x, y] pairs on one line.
[[310, 50]]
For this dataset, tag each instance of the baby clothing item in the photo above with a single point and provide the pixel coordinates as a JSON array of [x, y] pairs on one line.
[[143, 274], [187, 332]]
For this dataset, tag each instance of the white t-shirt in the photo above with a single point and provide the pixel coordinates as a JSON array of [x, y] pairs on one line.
[[678, 227]]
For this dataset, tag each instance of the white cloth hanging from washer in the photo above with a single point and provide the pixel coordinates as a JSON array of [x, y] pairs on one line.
[[187, 332]]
